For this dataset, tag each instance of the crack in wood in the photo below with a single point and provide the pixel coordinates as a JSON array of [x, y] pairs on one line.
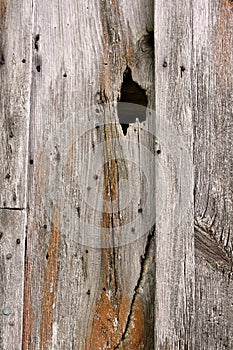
[[145, 259], [15, 209]]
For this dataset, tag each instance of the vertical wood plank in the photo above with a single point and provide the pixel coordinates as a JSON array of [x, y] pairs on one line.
[[174, 327], [90, 263], [213, 40], [15, 75], [12, 248]]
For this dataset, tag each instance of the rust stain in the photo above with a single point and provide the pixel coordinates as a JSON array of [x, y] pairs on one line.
[[109, 322], [135, 337], [28, 317], [114, 50], [3, 7], [50, 284], [222, 38], [110, 217], [70, 164], [70, 159], [41, 165]]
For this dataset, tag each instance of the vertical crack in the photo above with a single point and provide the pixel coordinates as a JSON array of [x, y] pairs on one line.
[[27, 307]]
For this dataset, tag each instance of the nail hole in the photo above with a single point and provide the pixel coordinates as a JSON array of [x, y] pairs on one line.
[[164, 64], [1, 235], [2, 60], [14, 197], [65, 75], [17, 241], [96, 177], [87, 251], [88, 292], [45, 227], [11, 134], [47, 256], [37, 38], [132, 102], [31, 161], [7, 176], [182, 69], [9, 256], [23, 60], [104, 289], [158, 151], [38, 68], [140, 210]]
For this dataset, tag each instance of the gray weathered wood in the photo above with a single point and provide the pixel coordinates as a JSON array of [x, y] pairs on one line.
[[213, 40], [79, 296], [214, 307], [15, 75], [91, 273], [175, 282], [12, 248]]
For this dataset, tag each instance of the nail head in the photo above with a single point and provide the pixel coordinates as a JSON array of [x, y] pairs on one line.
[[7, 311]]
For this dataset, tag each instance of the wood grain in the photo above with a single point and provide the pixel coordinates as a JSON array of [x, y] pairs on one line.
[[214, 308], [79, 295], [113, 241], [15, 64], [213, 120], [213, 30], [12, 248], [175, 282]]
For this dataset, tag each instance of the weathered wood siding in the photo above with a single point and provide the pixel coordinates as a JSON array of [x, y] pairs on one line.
[[113, 241], [77, 295], [213, 143], [175, 278], [15, 77]]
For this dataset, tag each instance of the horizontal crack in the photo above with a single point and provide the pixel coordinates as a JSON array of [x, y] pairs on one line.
[[8, 208]]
